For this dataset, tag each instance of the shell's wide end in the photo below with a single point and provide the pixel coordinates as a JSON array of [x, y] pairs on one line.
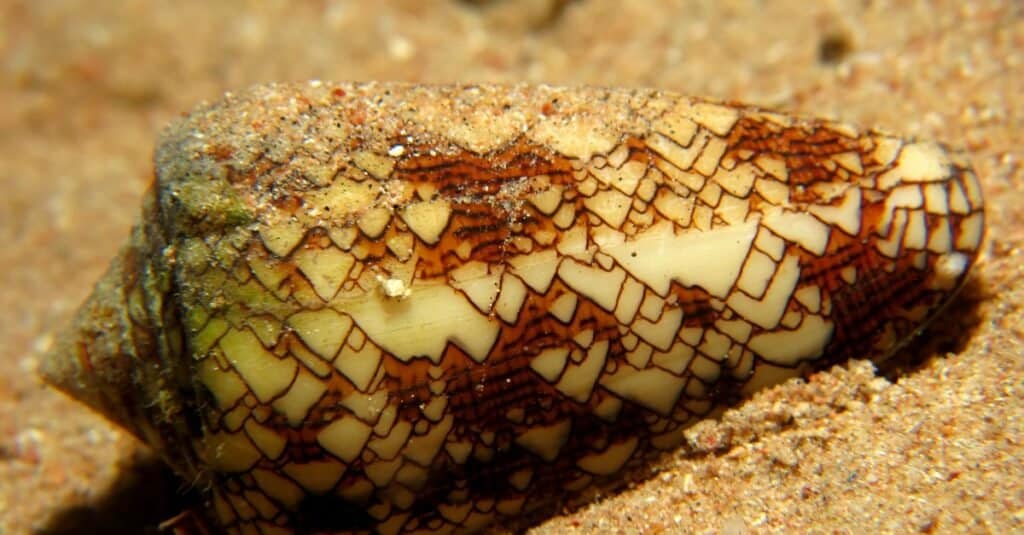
[[92, 359]]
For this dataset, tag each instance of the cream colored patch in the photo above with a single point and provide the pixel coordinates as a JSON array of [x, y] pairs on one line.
[[281, 237], [682, 157], [266, 328], [479, 281], [434, 409], [367, 407], [547, 200], [886, 149], [520, 479], [455, 513], [710, 260], [564, 308], [757, 273], [737, 329], [973, 188], [810, 297], [573, 242], [676, 359], [935, 198], [902, 197], [849, 274], [411, 477], [374, 221], [679, 181], [625, 179], [662, 332], [890, 246], [654, 388], [801, 228], [766, 375], [423, 448], [774, 192], [587, 186], [278, 487], [550, 362], [323, 331], [224, 384], [481, 130], [427, 219], [267, 440], [577, 136], [709, 159], [611, 460], [612, 206], [971, 230], [923, 162], [584, 338], [545, 441], [382, 472], [676, 126], [311, 361], [230, 452], [652, 307], [513, 295], [640, 355], [850, 161], [673, 207], [345, 437], [202, 341], [343, 236], [630, 297], [317, 477], [264, 373], [359, 365], [732, 210], [710, 195], [846, 215], [422, 324], [958, 198], [601, 287], [774, 165], [705, 369], [578, 380], [715, 117], [766, 311], [378, 166], [459, 450], [716, 345], [303, 394], [402, 246], [739, 181], [789, 348], [940, 240], [510, 506], [536, 269], [916, 235], [770, 244], [387, 447]]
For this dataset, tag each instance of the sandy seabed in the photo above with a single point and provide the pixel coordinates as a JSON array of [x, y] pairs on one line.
[[933, 446]]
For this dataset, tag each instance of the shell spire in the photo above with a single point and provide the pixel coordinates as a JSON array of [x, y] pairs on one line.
[[122, 354], [400, 308]]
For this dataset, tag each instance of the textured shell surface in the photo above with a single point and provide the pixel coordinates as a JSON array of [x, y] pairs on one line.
[[397, 308]]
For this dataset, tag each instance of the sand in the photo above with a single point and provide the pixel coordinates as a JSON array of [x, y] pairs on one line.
[[934, 444]]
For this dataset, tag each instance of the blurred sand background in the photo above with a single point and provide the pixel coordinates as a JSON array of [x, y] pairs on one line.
[[933, 446]]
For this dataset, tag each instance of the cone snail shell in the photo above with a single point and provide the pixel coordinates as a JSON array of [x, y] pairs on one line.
[[395, 308]]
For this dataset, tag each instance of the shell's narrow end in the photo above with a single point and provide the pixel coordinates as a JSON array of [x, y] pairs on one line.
[[91, 361]]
